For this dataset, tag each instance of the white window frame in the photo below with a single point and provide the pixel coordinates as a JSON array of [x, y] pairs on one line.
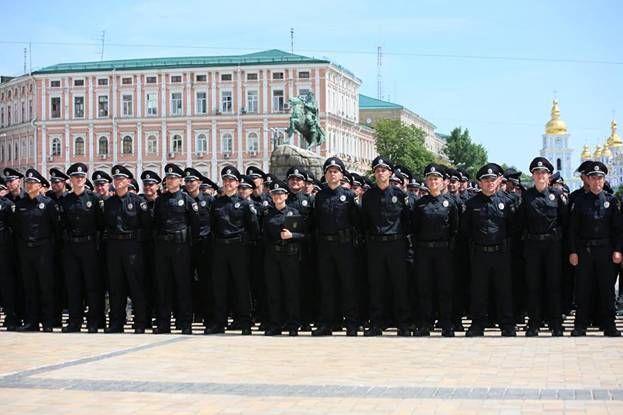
[[151, 76], [174, 109], [74, 106], [283, 99], [60, 107], [97, 109], [99, 147], [60, 84], [155, 95], [204, 109], [205, 146], [257, 76], [123, 104], [231, 142], [123, 136], [231, 101], [256, 109], [256, 149], [155, 135], [172, 143], [53, 140], [79, 79], [201, 74], [175, 76], [75, 145], [97, 82], [230, 74]]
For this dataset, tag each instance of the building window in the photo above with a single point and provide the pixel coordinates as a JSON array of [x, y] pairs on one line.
[[30, 109], [201, 104], [152, 144], [79, 146], [226, 101], [253, 143], [151, 80], [252, 101], [126, 81], [102, 82], [152, 105], [201, 78], [277, 75], [56, 147], [251, 77], [53, 84], [227, 143], [201, 146], [102, 106], [176, 143], [55, 107], [226, 77], [176, 79], [127, 146], [558, 164], [102, 146], [304, 74], [78, 107], [304, 91], [127, 105], [176, 103], [78, 82], [278, 100]]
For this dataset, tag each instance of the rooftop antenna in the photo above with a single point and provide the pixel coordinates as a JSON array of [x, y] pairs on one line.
[[379, 81], [291, 40], [25, 59], [102, 39], [30, 58]]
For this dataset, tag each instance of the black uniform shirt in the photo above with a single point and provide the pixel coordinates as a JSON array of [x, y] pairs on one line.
[[175, 212], [435, 218], [204, 204], [487, 219], [7, 211], [335, 210], [126, 214], [595, 217], [273, 223], [36, 219], [233, 216], [542, 212], [81, 215], [385, 212]]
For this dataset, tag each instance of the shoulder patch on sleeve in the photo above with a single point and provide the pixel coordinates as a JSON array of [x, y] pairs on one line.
[[195, 206], [253, 210]]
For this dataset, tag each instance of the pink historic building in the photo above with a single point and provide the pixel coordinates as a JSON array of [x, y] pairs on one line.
[[199, 111]]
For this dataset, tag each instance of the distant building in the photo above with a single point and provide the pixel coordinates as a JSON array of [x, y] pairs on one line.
[[556, 146], [371, 110], [611, 154]]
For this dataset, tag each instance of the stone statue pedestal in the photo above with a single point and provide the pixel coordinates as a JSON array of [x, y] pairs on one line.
[[285, 156]]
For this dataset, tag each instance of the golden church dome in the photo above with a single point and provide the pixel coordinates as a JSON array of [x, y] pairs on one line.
[[586, 153], [597, 153], [614, 140], [555, 125]]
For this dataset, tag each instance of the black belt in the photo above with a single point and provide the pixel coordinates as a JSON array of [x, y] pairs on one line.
[[228, 241], [490, 248], [340, 236], [596, 242], [121, 236], [34, 244], [80, 239], [542, 236], [285, 248], [432, 244], [385, 238]]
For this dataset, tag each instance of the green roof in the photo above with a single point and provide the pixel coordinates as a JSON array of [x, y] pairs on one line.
[[267, 57], [366, 102]]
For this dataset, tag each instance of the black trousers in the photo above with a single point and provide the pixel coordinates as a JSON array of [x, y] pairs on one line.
[[491, 267], [543, 269], [435, 276], [257, 280], [336, 273], [82, 276], [231, 265], [173, 274], [283, 279], [61, 298], [462, 279], [149, 277], [595, 274], [125, 272], [387, 270], [203, 302], [8, 282], [36, 265]]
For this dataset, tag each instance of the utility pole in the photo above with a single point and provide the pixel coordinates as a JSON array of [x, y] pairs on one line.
[[102, 39], [379, 80], [291, 40]]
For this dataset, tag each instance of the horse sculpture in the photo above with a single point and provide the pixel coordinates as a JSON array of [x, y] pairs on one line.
[[304, 119]]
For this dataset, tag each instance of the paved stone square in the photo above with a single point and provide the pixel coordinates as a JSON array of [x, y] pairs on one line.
[[230, 374]]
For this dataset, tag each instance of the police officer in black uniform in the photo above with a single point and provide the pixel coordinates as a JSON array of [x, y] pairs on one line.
[[7, 259], [151, 190], [542, 217], [13, 182], [81, 219], [595, 239], [281, 264], [233, 220], [36, 227], [126, 217], [385, 218], [176, 226], [337, 218], [487, 222], [435, 223], [202, 247]]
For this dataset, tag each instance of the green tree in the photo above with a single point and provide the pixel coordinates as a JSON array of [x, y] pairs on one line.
[[403, 144], [462, 152]]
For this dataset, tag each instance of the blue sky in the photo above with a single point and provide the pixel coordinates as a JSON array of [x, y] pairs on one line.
[[504, 102]]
